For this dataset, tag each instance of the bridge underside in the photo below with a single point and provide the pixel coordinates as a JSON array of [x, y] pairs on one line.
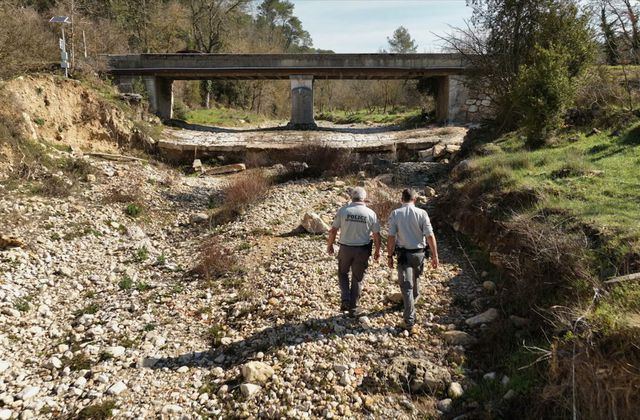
[[159, 72]]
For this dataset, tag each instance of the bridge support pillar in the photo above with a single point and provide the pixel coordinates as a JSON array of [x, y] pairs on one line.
[[451, 94], [160, 91], [302, 103]]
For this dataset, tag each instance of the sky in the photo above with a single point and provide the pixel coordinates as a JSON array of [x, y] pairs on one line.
[[352, 26]]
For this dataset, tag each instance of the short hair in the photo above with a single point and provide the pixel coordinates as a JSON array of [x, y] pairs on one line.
[[409, 194], [358, 194]]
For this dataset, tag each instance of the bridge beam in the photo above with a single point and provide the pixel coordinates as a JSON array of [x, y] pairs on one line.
[[302, 103], [160, 91]]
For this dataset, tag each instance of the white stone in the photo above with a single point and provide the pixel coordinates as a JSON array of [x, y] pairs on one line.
[[171, 409], [117, 388], [429, 192], [199, 218], [445, 405], [473, 108], [91, 178], [28, 392], [483, 318], [4, 365], [116, 351], [5, 414], [312, 223], [491, 376], [486, 102], [455, 390], [80, 382], [509, 394], [183, 369], [249, 390], [257, 372]]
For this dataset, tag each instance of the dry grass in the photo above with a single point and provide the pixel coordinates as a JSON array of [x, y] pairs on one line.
[[382, 201], [243, 191], [215, 260]]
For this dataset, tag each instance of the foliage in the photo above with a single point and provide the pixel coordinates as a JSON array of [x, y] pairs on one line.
[[506, 37], [98, 411], [134, 209], [243, 191], [401, 41], [542, 92]]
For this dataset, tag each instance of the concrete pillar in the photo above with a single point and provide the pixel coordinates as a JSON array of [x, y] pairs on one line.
[[302, 103], [451, 95], [160, 91]]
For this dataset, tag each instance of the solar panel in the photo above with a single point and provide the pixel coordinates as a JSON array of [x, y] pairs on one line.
[[60, 19]]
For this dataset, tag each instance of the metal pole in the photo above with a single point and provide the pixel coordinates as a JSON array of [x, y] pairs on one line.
[[64, 42]]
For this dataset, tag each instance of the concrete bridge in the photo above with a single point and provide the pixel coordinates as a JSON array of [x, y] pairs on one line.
[[160, 70]]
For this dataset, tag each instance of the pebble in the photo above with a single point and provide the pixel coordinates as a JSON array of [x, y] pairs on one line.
[[5, 414], [28, 393], [445, 405], [249, 390], [455, 390], [117, 388]]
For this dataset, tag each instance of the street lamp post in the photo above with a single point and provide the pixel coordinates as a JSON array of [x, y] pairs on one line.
[[64, 56]]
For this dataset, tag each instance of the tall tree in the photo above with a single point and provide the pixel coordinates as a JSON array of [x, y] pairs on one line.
[[278, 17], [401, 41]]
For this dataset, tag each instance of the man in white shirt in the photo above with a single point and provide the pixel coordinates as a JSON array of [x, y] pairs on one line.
[[356, 223], [409, 232]]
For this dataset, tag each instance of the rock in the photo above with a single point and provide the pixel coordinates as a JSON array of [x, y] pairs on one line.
[[429, 192], [505, 380], [4, 366], [91, 178], [198, 218], [312, 223], [53, 363], [458, 338], [455, 390], [14, 313], [5, 414], [489, 286], [386, 179], [519, 322], [226, 169], [249, 390], [117, 388], [197, 165], [7, 242], [439, 151], [509, 394], [483, 318], [340, 368], [452, 148], [115, 352], [257, 372], [28, 392], [425, 153], [345, 379], [491, 376], [394, 297], [445, 405], [171, 409], [410, 374], [183, 369], [461, 169]]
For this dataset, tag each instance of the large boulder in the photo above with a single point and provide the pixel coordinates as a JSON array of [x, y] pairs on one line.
[[257, 372], [484, 318], [458, 338], [312, 223], [408, 374]]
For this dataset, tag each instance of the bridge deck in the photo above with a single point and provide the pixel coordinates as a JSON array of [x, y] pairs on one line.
[[282, 66]]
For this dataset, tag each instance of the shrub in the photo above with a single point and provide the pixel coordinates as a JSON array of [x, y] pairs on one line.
[[134, 210], [126, 283], [543, 91], [323, 160], [100, 411], [244, 190], [382, 202], [215, 260]]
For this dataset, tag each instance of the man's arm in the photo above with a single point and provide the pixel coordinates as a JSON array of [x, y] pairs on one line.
[[331, 239], [431, 240], [391, 247], [377, 241]]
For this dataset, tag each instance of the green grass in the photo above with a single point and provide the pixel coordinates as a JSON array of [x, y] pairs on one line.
[[401, 117], [594, 179], [224, 117]]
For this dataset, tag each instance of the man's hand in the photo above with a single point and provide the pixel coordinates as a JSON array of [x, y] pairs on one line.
[[330, 250], [376, 255], [435, 262], [390, 261]]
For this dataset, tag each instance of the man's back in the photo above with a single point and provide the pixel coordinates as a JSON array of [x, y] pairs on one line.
[[410, 224], [356, 222]]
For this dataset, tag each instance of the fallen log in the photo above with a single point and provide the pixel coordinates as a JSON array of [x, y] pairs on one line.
[[621, 279]]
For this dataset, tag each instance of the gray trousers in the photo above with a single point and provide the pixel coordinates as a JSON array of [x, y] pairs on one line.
[[356, 260], [408, 274]]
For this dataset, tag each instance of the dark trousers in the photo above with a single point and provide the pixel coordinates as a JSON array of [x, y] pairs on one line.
[[409, 271], [356, 260]]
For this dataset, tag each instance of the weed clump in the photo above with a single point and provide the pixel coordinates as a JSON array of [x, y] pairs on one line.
[[244, 190], [216, 260], [99, 411]]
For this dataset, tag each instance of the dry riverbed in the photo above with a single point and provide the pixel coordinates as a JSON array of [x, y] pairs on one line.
[[98, 308]]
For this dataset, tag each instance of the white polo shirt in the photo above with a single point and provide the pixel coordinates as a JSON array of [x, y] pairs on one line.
[[410, 224], [356, 222]]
